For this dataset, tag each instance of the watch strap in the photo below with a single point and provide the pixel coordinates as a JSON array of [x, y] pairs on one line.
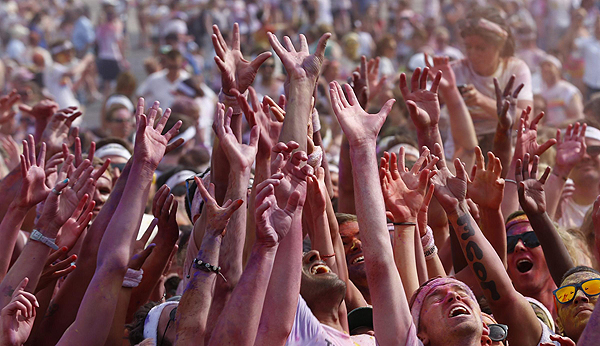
[[38, 236]]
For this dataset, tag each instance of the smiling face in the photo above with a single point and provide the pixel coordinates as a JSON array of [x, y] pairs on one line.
[[101, 193], [526, 266], [574, 315], [449, 316], [587, 171], [354, 254], [319, 282]]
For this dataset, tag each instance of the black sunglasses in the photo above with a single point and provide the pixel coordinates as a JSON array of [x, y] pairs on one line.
[[529, 239], [498, 332], [593, 150]]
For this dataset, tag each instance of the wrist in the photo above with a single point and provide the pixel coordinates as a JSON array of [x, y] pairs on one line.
[[363, 145], [143, 169], [562, 172], [461, 208], [19, 210], [404, 219], [265, 250], [428, 131]]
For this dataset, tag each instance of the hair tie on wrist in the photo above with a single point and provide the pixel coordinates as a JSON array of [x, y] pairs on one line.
[[510, 181], [404, 223]]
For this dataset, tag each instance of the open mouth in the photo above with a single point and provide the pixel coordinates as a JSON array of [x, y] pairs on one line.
[[458, 311], [524, 265], [358, 259], [320, 269]]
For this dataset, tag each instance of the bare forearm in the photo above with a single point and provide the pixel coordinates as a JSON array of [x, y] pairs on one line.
[[510, 202], [116, 334], [553, 188], [238, 324], [502, 148], [346, 181], [556, 254], [9, 232], [9, 187], [492, 226], [321, 240], [298, 110], [461, 125], [429, 137], [192, 314], [405, 257], [262, 171]]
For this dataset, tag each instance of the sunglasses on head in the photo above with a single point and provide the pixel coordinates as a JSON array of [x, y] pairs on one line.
[[593, 150], [566, 294], [529, 239], [498, 332]]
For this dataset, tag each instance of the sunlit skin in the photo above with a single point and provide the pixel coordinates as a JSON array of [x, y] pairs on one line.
[[121, 124], [537, 281], [487, 319], [102, 192], [586, 176], [435, 321], [353, 251], [483, 55], [573, 316]]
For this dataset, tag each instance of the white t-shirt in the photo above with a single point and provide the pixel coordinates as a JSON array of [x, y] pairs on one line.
[[590, 47], [485, 85], [557, 99], [158, 87], [307, 330], [572, 214], [62, 93]]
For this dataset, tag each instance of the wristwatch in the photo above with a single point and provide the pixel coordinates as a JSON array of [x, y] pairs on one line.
[[38, 236]]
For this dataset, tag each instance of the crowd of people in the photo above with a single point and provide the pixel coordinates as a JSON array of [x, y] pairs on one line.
[[310, 172]]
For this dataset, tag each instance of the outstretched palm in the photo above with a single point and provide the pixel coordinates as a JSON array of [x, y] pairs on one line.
[[423, 105], [239, 155], [236, 72], [150, 143], [531, 190], [570, 149], [300, 64], [486, 188], [272, 222], [450, 190]]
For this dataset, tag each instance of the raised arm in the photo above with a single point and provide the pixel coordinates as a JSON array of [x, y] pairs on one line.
[[238, 324], [506, 107], [507, 305], [391, 314], [193, 310], [486, 189], [533, 201], [302, 69], [94, 317]]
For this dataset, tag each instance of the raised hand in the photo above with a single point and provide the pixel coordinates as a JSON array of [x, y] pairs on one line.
[[79, 152], [441, 64], [42, 111], [11, 149], [239, 155], [57, 131], [506, 102], [56, 268], [398, 169], [259, 115], [217, 216], [531, 190], [317, 192], [6, 106], [360, 82], [450, 190], [140, 252], [272, 222], [73, 228], [375, 84], [33, 187], [150, 143], [486, 187], [18, 316], [300, 65], [282, 153], [402, 201], [570, 149], [294, 178], [358, 126], [527, 136], [236, 72], [423, 105], [164, 208]]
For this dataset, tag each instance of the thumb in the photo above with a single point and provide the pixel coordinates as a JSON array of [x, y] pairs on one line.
[[293, 202], [233, 207], [320, 53], [387, 108], [143, 256]]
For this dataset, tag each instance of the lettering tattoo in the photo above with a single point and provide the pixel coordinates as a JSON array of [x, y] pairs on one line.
[[475, 255]]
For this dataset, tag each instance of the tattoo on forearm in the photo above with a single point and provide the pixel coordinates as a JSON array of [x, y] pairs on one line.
[[474, 255]]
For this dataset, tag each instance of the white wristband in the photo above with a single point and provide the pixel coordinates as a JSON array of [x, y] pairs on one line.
[[133, 278], [38, 236]]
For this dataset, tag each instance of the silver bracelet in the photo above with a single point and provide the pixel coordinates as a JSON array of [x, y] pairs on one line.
[[510, 181]]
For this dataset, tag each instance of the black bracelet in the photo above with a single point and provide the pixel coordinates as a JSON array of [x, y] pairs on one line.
[[206, 267], [404, 223]]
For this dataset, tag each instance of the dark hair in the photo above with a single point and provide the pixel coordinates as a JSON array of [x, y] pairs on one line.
[[173, 54], [578, 269], [136, 327], [113, 109], [171, 285], [493, 15]]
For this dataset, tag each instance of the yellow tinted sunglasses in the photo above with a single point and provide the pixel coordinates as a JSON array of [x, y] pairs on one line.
[[566, 293]]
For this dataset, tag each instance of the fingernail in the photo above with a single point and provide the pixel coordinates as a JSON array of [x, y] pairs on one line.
[[66, 181]]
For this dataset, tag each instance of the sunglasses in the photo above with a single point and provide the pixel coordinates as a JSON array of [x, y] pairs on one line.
[[529, 239], [593, 150], [498, 332], [566, 294]]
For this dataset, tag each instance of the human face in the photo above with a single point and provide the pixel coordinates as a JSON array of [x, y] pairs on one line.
[[319, 282], [587, 171], [354, 254], [173, 65], [549, 73], [449, 316], [487, 319], [574, 316], [483, 55], [101, 193], [526, 266], [121, 123]]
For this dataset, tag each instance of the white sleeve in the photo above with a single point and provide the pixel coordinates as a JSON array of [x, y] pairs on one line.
[[546, 332], [523, 75], [305, 327]]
